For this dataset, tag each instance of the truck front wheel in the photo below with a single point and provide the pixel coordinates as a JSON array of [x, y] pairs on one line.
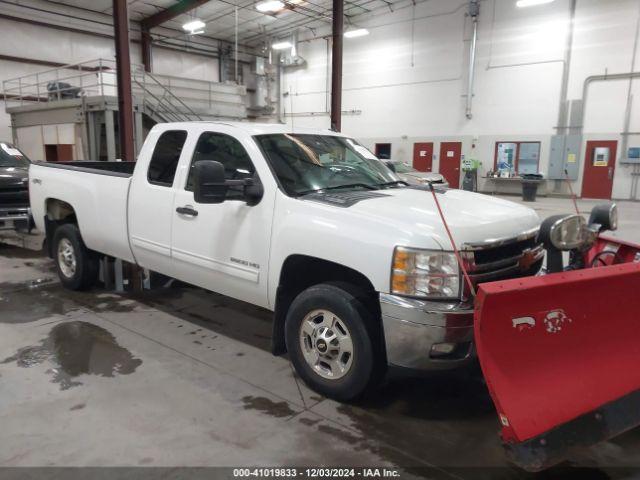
[[330, 339], [77, 266]]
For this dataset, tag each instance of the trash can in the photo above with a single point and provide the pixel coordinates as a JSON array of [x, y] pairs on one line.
[[530, 182]]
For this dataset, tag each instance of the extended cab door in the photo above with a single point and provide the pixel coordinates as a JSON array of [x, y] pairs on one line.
[[225, 247], [151, 199]]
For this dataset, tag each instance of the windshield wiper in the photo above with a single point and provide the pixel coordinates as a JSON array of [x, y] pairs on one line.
[[347, 185], [395, 182]]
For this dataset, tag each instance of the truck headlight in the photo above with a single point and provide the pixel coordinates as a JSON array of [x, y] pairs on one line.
[[425, 273]]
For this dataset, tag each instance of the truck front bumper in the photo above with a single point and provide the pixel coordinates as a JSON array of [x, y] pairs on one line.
[[427, 335], [10, 216]]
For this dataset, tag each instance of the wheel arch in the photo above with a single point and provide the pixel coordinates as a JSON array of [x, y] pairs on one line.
[[300, 272], [57, 212]]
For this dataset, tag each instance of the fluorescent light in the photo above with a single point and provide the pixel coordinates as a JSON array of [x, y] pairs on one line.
[[269, 6], [359, 32], [194, 27], [282, 45], [531, 3]]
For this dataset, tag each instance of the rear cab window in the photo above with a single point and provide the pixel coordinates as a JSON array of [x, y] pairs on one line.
[[165, 158]]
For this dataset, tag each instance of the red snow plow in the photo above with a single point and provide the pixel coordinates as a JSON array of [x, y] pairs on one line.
[[561, 351]]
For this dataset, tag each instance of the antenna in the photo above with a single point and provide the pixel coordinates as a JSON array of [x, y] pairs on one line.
[[453, 243], [573, 195]]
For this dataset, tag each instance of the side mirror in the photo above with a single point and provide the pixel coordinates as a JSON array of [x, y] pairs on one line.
[[209, 182], [391, 166]]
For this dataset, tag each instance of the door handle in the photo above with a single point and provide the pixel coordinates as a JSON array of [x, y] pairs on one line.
[[187, 210], [610, 173]]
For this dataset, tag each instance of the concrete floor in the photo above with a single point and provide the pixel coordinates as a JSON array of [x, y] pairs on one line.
[[182, 377]]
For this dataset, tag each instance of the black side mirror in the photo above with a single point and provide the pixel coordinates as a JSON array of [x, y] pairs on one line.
[[391, 166], [209, 182]]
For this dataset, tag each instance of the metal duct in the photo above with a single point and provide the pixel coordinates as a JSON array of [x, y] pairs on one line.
[[474, 11]]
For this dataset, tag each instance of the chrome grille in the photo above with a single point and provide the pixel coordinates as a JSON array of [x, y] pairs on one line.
[[506, 258]]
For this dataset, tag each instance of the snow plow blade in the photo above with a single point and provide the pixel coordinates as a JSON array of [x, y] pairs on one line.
[[560, 356]]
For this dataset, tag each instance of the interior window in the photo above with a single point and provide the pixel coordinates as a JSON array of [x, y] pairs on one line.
[[165, 158], [528, 157], [517, 157], [383, 151], [230, 153]]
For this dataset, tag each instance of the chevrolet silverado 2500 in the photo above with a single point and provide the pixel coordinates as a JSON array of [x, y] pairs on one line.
[[356, 265]]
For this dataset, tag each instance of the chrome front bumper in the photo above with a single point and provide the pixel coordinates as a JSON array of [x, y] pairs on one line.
[[9, 216], [413, 327]]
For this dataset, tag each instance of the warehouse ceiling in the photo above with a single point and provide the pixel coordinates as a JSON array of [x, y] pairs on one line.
[[253, 26]]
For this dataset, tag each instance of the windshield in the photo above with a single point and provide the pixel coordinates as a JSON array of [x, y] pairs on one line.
[[403, 167], [12, 157], [310, 163]]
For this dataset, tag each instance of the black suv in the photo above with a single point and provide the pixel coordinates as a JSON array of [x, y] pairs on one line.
[[14, 189]]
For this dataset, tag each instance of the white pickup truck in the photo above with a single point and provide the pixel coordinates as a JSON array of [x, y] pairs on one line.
[[355, 264]]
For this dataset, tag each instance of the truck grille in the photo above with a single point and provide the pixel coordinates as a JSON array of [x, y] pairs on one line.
[[502, 259], [18, 195]]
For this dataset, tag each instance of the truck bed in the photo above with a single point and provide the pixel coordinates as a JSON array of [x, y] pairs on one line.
[[98, 193]]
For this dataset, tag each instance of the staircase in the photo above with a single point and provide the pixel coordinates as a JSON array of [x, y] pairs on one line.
[[163, 98], [172, 99]]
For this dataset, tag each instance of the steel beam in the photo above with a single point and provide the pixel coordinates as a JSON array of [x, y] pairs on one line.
[[123, 67], [336, 65], [145, 49], [170, 13]]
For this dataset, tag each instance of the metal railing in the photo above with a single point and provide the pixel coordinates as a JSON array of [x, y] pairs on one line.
[[168, 96], [160, 101]]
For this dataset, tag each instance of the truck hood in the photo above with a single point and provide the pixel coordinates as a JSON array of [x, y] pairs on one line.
[[472, 217]]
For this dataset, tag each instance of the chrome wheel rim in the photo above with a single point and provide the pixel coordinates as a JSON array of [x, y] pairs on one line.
[[66, 258], [326, 344]]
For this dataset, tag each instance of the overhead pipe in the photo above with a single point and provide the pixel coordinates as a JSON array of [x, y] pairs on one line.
[[336, 65], [474, 11], [566, 67], [627, 116]]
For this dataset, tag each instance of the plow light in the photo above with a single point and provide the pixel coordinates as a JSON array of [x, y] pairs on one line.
[[604, 217], [564, 232], [425, 273]]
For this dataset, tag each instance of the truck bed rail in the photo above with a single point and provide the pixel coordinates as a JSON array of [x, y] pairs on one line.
[[114, 169]]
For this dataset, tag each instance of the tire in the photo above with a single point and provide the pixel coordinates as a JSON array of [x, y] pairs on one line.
[[76, 265], [332, 340]]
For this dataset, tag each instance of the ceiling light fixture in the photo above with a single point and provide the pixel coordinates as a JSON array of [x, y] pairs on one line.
[[194, 27], [269, 6], [531, 3], [282, 45], [359, 32]]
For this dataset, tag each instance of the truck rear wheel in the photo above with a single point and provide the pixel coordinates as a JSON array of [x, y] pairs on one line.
[[77, 266], [330, 339]]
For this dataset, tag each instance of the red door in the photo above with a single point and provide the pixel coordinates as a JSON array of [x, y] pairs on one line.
[[599, 166], [423, 156], [450, 159]]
